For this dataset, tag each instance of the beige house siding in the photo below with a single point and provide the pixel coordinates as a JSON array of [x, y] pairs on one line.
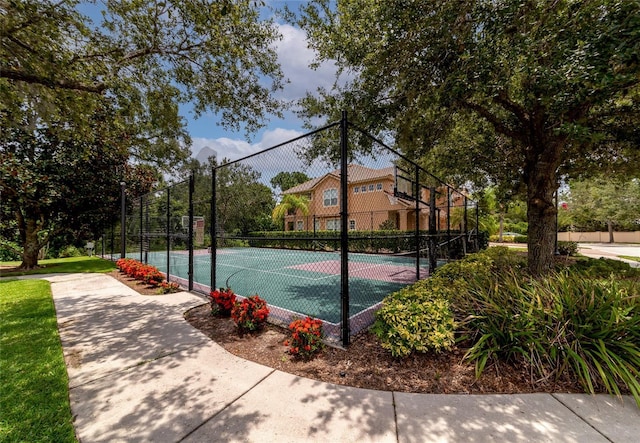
[[369, 207]]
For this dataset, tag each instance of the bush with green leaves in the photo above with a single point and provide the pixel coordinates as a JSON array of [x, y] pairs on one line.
[[8, 251], [70, 251], [569, 248], [562, 326], [605, 268], [416, 318]]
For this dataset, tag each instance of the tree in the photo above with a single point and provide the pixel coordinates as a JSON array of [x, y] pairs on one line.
[[147, 56], [605, 201], [289, 205], [63, 79], [242, 202], [524, 92], [287, 180], [53, 183]]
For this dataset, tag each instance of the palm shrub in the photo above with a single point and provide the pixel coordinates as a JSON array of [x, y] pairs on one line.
[[560, 325]]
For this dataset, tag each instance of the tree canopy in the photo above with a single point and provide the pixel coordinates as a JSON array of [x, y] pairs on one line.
[[286, 180], [611, 202], [70, 86], [517, 93]]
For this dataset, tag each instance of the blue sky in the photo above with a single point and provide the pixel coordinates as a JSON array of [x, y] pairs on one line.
[[294, 58]]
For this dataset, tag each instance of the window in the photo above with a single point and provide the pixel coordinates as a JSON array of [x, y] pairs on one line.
[[299, 225], [379, 187], [356, 189], [330, 197], [371, 188], [333, 224], [352, 225], [316, 225], [364, 188]]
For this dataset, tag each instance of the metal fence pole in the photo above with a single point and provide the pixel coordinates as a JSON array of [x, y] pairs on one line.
[[190, 242], [465, 229], [477, 226], [213, 228], [113, 239], [417, 227], [168, 233], [123, 221], [344, 234], [448, 222], [433, 260], [141, 236]]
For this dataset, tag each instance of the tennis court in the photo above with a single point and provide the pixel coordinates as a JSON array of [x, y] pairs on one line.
[[302, 282]]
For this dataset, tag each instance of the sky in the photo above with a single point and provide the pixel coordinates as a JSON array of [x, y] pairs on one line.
[[294, 58]]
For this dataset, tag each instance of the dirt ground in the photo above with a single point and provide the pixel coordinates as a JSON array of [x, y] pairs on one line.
[[365, 363]]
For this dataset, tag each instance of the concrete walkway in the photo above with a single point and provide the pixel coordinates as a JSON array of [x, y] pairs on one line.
[[611, 250], [138, 372]]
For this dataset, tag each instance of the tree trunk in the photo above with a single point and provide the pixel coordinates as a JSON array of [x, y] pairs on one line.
[[541, 211], [30, 244], [610, 227]]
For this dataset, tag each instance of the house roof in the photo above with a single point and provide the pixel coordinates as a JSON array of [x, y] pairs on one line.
[[355, 174]]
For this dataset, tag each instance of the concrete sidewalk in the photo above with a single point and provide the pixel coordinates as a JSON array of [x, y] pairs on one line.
[[138, 372]]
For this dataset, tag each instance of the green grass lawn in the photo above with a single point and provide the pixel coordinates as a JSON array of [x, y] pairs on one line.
[[60, 265], [34, 394], [630, 257]]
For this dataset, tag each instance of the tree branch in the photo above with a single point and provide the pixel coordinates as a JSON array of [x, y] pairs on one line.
[[19, 75], [491, 118], [517, 110]]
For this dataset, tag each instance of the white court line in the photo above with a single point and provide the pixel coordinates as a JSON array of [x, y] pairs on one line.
[[278, 273]]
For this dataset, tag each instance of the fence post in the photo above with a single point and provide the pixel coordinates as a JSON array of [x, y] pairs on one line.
[[113, 239], [141, 227], [477, 226], [344, 234], [168, 234], [448, 222], [417, 227], [465, 229], [213, 228], [433, 260], [190, 241], [123, 221]]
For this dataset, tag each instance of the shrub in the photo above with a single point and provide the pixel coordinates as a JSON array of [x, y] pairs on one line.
[[521, 239], [141, 271], [417, 318], [569, 248], [8, 251], [166, 287], [562, 325], [250, 314], [222, 301], [70, 251], [604, 268], [306, 338]]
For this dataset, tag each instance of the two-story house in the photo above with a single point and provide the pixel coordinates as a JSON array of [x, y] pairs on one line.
[[375, 197]]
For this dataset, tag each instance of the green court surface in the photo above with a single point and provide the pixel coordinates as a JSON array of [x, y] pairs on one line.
[[302, 282]]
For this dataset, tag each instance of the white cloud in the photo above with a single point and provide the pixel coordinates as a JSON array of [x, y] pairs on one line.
[[295, 57], [234, 149]]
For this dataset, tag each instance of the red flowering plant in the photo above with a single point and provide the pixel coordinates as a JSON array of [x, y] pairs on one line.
[[250, 314], [146, 273], [221, 301], [306, 338], [166, 287]]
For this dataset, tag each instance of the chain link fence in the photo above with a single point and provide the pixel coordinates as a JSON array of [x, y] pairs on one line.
[[324, 225]]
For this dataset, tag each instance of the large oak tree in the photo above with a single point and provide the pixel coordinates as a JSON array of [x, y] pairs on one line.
[[521, 92], [77, 87]]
